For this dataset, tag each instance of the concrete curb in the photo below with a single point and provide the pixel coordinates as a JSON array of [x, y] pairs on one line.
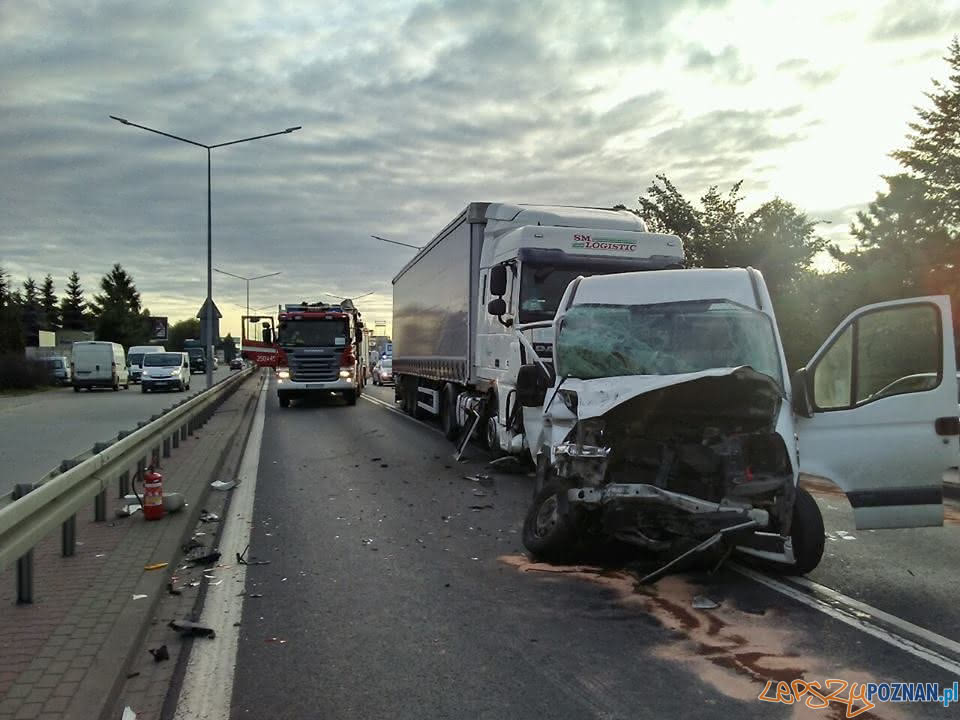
[[101, 686]]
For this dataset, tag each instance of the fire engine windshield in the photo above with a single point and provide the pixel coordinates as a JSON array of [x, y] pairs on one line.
[[313, 333]]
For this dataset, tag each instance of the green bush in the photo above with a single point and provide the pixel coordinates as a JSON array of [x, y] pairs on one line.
[[20, 373]]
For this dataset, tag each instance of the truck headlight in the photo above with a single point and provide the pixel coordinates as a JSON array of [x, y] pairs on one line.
[[346, 373], [283, 373]]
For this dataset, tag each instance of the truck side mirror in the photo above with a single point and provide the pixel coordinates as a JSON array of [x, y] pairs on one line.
[[532, 385], [498, 280], [800, 384], [497, 306]]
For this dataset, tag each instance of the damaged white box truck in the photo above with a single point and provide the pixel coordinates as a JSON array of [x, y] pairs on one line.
[[667, 419], [454, 360]]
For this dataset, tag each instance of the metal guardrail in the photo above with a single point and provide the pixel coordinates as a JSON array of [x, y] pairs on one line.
[[37, 510]]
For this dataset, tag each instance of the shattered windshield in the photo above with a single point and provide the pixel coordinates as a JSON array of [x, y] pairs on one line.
[[596, 341]]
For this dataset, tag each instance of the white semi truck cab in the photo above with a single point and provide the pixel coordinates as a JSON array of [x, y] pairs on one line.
[[452, 358]]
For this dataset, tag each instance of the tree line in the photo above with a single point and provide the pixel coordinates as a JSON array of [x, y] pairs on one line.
[[115, 313]]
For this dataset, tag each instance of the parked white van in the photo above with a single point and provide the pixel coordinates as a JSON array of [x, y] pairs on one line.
[[135, 359], [99, 364]]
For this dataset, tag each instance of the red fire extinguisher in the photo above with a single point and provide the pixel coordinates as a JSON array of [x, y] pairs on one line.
[[153, 495]]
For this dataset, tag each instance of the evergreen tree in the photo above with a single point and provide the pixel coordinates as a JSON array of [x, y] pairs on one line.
[[30, 314], [118, 313], [72, 306], [11, 334], [48, 305]]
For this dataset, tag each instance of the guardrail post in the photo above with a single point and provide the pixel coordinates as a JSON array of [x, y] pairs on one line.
[[190, 426], [100, 506], [141, 469], [166, 447], [68, 537], [124, 484], [25, 561], [183, 431], [175, 438], [155, 457]]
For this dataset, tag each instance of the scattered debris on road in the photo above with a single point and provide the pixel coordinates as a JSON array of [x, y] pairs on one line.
[[137, 597], [478, 508], [192, 629], [242, 558], [171, 590], [155, 566], [208, 517], [509, 465], [223, 485], [203, 555], [159, 654], [702, 602], [128, 714]]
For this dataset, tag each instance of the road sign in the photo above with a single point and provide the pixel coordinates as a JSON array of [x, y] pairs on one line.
[[158, 328]]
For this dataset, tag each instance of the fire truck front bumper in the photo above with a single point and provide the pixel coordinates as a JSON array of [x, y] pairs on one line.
[[295, 388]]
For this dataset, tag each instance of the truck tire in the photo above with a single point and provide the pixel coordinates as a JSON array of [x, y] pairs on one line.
[[448, 412], [806, 532], [76, 388], [143, 389], [350, 396], [284, 400], [548, 533]]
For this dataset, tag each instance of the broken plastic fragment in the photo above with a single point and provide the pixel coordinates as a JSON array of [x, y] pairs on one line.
[[128, 714], [159, 654], [208, 517], [155, 566], [187, 627], [138, 597], [203, 555], [702, 602], [221, 485]]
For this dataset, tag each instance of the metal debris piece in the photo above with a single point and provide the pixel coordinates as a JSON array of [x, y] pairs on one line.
[[508, 464], [203, 555], [159, 654], [208, 517], [702, 602], [221, 485], [137, 597], [242, 558], [192, 629], [477, 508]]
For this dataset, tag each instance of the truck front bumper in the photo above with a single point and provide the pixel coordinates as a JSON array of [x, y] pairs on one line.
[[295, 388]]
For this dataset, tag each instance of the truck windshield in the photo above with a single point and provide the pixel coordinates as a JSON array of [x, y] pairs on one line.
[[162, 359], [313, 333], [135, 358], [596, 341]]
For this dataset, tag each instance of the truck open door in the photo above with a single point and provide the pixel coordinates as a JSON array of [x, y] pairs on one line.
[[877, 411]]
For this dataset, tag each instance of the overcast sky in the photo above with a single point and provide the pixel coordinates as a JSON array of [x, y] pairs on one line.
[[410, 110]]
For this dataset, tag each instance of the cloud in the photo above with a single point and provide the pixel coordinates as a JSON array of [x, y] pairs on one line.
[[726, 63], [904, 21], [410, 110]]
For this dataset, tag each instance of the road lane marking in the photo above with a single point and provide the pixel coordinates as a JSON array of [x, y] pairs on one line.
[[391, 408], [208, 682], [865, 618]]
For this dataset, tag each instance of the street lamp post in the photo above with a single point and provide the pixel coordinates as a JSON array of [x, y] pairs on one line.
[[209, 303], [247, 280], [396, 242]]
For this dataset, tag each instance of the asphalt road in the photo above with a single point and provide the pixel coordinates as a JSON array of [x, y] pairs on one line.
[[397, 588], [39, 430]]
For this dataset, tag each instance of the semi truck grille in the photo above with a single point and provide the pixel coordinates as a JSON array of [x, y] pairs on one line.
[[314, 368]]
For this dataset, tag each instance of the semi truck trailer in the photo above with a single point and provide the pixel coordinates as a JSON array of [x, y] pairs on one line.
[[454, 360]]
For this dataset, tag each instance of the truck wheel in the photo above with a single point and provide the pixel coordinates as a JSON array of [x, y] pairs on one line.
[[806, 532], [448, 412], [143, 389], [284, 400], [76, 388], [350, 396], [548, 533], [116, 387]]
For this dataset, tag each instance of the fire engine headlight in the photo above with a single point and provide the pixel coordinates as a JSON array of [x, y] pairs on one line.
[[283, 374]]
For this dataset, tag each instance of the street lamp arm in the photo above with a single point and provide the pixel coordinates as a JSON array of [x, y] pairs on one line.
[[260, 277], [224, 272], [124, 121], [256, 137]]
